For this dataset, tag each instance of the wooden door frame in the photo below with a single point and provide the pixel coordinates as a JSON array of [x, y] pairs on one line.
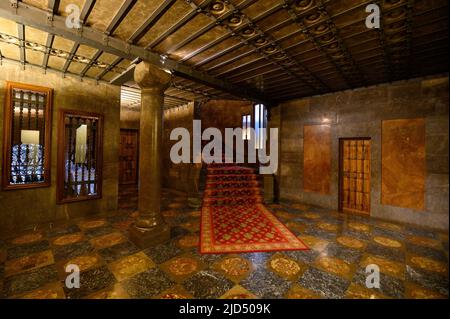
[[341, 166], [138, 149]]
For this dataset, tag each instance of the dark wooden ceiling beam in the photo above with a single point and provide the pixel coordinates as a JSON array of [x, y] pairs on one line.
[[298, 20], [205, 29], [176, 98], [185, 19], [289, 96], [298, 90], [287, 86], [91, 63], [285, 37], [48, 47], [49, 69], [227, 36], [383, 45], [296, 68], [241, 80], [118, 18], [281, 80], [109, 68], [245, 54], [187, 89], [53, 6], [366, 31], [70, 57], [409, 36], [85, 11], [343, 47], [152, 19], [254, 71], [120, 15], [281, 84], [272, 29]]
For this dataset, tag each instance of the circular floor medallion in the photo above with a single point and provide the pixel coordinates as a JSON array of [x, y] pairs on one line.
[[285, 266], [387, 242], [27, 239], [183, 266], [235, 266], [68, 239], [350, 242]]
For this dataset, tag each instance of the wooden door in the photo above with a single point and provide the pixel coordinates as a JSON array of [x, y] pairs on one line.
[[354, 173], [128, 156]]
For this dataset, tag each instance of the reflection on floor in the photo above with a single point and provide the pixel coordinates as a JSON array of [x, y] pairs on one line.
[[413, 261]]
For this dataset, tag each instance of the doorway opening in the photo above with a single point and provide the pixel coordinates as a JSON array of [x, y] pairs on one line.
[[128, 157], [128, 169], [354, 175]]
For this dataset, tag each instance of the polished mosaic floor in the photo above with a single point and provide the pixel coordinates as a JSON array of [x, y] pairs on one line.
[[413, 261]]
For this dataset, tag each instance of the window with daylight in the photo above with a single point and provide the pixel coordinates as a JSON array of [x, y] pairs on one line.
[[27, 136], [246, 126], [79, 156], [260, 126]]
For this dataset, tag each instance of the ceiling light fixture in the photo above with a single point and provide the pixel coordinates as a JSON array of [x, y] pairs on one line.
[[8, 38], [163, 58]]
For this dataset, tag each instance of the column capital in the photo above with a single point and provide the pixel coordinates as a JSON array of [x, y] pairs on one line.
[[150, 77]]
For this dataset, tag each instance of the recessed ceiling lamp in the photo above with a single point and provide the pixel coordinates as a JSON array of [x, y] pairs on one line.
[[302, 5], [321, 29], [327, 38], [313, 17], [248, 32], [396, 38], [260, 41], [235, 20], [217, 7], [271, 49]]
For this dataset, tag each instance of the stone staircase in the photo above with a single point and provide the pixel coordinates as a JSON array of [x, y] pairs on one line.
[[227, 184]]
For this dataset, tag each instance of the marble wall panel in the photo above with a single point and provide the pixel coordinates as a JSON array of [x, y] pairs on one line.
[[317, 158], [403, 163]]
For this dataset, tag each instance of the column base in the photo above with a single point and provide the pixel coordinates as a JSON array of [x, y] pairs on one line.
[[144, 238]]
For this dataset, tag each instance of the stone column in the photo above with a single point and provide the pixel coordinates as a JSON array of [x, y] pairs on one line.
[[150, 228]]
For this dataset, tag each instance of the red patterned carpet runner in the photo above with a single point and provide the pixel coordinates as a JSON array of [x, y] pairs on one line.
[[234, 218]]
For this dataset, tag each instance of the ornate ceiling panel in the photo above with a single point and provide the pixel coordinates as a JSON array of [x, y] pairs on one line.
[[280, 49]]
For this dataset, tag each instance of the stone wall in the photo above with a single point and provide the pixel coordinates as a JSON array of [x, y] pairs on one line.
[[359, 113], [183, 176], [223, 114], [25, 208], [129, 118], [214, 113]]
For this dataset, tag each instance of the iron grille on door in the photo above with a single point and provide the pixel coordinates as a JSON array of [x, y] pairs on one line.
[[79, 156], [355, 175], [27, 124]]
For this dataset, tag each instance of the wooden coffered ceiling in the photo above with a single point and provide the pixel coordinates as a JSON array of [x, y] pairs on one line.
[[263, 50]]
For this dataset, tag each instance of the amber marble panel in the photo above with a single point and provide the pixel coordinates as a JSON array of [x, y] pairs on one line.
[[403, 163], [317, 158]]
